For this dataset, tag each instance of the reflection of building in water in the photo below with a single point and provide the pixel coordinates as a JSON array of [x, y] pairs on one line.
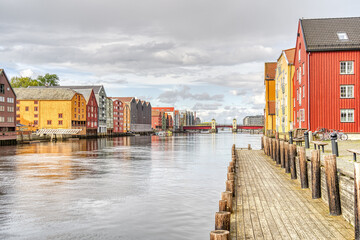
[[52, 161]]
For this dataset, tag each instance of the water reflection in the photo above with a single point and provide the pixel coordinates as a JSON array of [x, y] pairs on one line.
[[128, 188]]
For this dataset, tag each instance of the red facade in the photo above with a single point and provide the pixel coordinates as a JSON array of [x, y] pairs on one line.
[[118, 115], [92, 114], [320, 83], [7, 109]]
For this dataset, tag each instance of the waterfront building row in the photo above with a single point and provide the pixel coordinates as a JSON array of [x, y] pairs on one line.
[[316, 84], [164, 118]]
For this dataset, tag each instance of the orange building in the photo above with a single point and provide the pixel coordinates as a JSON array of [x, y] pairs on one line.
[[50, 108], [270, 101]]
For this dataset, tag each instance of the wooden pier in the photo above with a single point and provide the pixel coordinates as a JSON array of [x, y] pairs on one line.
[[269, 205]]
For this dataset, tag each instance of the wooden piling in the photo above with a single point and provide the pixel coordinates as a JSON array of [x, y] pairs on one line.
[[315, 174], [222, 205], [222, 221], [286, 157], [231, 176], [249, 146], [282, 153], [231, 169], [278, 159], [230, 186], [303, 168], [232, 164], [292, 154], [227, 195], [357, 199], [262, 142], [269, 147], [274, 147], [220, 235], [332, 184]]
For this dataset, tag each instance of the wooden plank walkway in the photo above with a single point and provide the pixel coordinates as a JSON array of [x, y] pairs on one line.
[[269, 205]]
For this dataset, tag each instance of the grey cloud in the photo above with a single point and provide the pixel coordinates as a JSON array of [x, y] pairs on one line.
[[183, 93], [206, 106]]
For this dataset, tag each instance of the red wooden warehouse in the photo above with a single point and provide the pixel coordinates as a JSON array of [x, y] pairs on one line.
[[326, 79], [7, 111], [91, 110]]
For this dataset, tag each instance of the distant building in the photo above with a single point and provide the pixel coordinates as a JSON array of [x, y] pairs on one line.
[[162, 117], [118, 113], [51, 108], [197, 121], [137, 114], [254, 120], [109, 115], [7, 110]]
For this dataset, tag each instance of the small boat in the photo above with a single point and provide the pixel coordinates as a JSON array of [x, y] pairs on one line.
[[161, 134]]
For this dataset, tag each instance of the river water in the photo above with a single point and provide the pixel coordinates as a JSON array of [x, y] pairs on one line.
[[121, 188]]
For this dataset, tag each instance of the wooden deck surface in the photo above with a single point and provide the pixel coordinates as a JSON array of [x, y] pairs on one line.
[[269, 205]]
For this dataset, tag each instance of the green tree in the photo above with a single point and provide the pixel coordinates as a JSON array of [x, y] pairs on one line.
[[17, 82], [48, 80]]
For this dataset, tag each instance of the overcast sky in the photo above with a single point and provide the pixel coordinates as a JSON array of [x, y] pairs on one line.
[[202, 55]]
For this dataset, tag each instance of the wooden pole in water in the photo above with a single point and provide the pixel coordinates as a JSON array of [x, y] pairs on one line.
[[262, 142], [222, 220], [286, 159], [315, 174], [227, 195], [292, 154], [222, 205], [332, 184], [278, 151], [232, 164], [230, 169], [357, 199], [269, 147], [303, 168], [230, 186], [249, 146], [220, 235]]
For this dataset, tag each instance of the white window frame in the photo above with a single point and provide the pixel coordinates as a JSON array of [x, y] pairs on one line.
[[303, 90], [346, 118], [303, 72], [2, 99], [302, 115], [10, 100], [349, 91], [346, 70]]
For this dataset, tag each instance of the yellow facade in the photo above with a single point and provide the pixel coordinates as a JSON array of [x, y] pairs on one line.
[[269, 111], [52, 114], [284, 90]]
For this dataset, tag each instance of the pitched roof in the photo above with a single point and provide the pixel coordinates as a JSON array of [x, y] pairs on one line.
[[44, 93], [124, 99], [290, 55], [270, 70], [322, 34], [96, 88], [86, 93]]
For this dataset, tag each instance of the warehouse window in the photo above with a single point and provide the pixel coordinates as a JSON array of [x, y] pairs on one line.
[[2, 88], [346, 91], [342, 36], [346, 115], [347, 67], [48, 122]]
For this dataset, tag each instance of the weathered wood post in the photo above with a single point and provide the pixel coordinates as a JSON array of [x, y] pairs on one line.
[[227, 195], [286, 157], [303, 168], [232, 164], [332, 184], [357, 199], [222, 220], [220, 235], [249, 146], [292, 155], [231, 176], [315, 174], [230, 186], [262, 142], [277, 150], [269, 146], [222, 205], [231, 169], [282, 153]]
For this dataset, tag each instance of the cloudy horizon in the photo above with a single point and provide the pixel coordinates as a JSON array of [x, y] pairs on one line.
[[205, 56]]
